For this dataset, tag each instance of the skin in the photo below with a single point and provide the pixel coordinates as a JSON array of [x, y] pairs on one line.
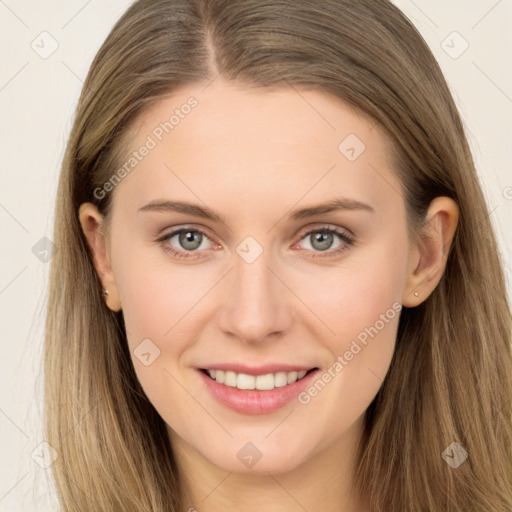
[[253, 156]]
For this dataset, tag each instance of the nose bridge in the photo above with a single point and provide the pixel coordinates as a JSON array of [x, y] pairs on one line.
[[257, 302]]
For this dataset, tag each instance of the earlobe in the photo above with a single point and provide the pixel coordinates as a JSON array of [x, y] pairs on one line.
[[91, 222], [431, 251]]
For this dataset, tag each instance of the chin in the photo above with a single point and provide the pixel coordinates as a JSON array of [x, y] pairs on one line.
[[250, 458]]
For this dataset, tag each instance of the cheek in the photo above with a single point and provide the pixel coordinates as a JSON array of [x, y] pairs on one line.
[[365, 324], [156, 294], [161, 302], [361, 304], [353, 295]]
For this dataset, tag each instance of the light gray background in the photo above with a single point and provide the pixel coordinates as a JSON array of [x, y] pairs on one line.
[[37, 99]]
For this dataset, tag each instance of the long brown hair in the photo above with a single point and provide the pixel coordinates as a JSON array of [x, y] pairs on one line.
[[450, 379]]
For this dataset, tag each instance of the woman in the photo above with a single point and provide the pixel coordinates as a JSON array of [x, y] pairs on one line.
[[277, 286]]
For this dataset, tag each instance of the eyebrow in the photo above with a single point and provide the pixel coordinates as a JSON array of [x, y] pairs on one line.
[[303, 213]]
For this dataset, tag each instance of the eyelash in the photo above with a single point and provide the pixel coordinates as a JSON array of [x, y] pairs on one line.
[[348, 240]]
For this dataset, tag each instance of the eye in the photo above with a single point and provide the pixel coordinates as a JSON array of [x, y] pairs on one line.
[[186, 242], [322, 240]]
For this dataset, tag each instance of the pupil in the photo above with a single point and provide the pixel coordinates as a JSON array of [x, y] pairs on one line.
[[324, 241], [189, 239]]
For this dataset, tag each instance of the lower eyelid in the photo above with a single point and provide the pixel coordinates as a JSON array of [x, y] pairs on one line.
[[344, 237], [168, 236]]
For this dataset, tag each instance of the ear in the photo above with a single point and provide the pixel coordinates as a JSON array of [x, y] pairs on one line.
[[429, 253], [92, 223]]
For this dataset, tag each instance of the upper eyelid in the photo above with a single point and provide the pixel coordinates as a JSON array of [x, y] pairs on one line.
[[302, 233], [176, 230]]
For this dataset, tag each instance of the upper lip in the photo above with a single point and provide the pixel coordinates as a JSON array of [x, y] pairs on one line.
[[257, 370]]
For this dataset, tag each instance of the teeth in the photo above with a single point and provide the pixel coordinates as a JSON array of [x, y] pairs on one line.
[[280, 379], [244, 381], [260, 382], [265, 382], [230, 379]]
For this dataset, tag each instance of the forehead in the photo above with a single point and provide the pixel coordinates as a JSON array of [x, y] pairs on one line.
[[259, 145]]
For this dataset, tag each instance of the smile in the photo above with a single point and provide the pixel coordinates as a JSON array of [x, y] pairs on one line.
[[256, 391], [265, 382]]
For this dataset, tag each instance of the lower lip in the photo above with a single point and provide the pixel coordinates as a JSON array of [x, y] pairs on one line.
[[255, 401]]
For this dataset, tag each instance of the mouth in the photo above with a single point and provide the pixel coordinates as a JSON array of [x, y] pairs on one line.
[[264, 382], [252, 390]]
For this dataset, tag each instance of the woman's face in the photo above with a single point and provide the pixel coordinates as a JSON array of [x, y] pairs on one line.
[[265, 280]]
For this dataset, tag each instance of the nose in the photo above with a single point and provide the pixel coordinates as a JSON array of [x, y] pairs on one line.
[[257, 302]]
